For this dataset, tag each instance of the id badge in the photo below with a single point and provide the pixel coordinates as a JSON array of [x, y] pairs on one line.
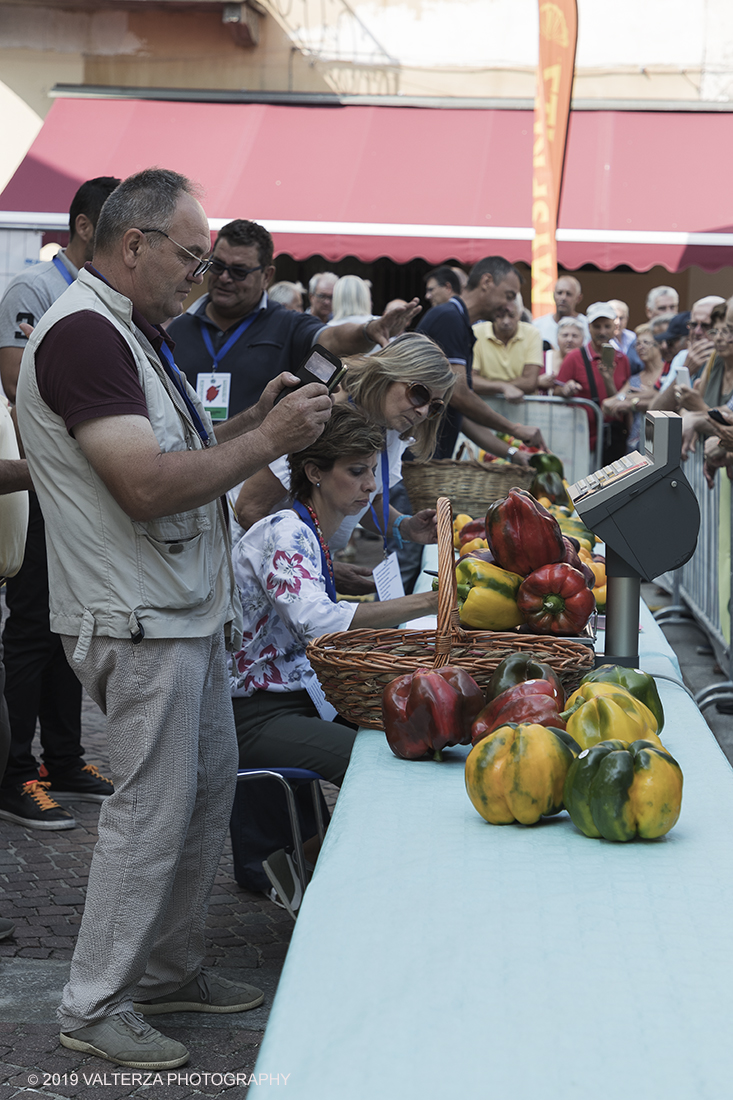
[[388, 579], [213, 392], [312, 685]]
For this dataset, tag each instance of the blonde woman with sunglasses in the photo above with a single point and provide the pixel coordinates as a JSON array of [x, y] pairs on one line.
[[404, 389]]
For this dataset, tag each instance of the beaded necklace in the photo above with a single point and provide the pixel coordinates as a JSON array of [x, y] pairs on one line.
[[309, 517]]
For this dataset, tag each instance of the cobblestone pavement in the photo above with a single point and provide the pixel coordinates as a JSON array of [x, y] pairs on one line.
[[43, 878]]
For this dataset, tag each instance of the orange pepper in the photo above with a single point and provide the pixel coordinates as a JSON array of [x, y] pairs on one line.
[[598, 570]]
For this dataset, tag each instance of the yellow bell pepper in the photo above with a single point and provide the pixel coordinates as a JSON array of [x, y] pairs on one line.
[[458, 524], [604, 715], [600, 595], [487, 595], [474, 544]]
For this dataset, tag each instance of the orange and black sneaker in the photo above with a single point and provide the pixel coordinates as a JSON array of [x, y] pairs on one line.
[[29, 804], [83, 784]]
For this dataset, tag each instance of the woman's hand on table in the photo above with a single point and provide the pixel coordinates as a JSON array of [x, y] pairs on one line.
[[353, 580], [390, 613], [422, 527]]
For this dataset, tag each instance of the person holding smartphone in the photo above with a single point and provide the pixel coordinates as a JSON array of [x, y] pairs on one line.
[[638, 392]]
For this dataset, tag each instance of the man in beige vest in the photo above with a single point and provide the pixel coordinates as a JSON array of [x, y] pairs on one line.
[[129, 474]]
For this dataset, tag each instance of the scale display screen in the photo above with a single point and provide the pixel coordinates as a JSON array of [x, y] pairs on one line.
[[608, 475], [642, 505]]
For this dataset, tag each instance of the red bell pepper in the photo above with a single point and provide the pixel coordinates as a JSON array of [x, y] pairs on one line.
[[533, 701], [476, 529], [571, 558], [426, 710], [480, 555], [556, 600], [522, 535]]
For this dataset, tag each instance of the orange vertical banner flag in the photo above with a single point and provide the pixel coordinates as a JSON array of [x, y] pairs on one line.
[[558, 38]]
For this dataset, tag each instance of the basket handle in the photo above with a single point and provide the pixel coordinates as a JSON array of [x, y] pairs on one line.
[[447, 589]]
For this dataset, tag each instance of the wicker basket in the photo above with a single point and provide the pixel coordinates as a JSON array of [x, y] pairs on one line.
[[354, 666], [471, 486]]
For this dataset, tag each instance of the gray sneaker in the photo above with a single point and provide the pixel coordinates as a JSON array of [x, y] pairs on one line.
[[205, 993], [127, 1040]]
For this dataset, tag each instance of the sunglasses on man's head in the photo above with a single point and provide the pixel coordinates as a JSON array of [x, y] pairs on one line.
[[419, 396]]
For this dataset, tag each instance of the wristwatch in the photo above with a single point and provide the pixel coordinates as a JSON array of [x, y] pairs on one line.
[[510, 452]]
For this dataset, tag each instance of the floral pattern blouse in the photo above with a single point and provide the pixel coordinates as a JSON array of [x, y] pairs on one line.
[[277, 565]]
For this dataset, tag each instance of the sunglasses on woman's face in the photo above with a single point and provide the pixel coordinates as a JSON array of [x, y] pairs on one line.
[[419, 396]]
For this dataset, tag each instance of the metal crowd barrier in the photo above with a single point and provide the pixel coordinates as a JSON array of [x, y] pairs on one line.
[[701, 589], [564, 426]]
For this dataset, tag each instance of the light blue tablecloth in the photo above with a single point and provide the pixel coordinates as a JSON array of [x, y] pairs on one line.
[[437, 956]]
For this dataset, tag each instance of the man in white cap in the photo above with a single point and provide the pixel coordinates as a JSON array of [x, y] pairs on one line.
[[583, 373]]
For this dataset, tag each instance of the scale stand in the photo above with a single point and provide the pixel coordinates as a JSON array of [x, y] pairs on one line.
[[643, 507], [622, 613]]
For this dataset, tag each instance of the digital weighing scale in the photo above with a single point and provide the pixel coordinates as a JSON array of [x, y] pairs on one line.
[[643, 507]]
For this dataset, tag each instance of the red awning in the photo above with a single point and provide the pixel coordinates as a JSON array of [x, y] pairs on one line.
[[641, 188]]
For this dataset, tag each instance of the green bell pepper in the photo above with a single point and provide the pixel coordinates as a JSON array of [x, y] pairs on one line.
[[637, 683]]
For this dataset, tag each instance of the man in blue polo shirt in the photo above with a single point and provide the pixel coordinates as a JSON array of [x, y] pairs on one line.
[[492, 285], [235, 340]]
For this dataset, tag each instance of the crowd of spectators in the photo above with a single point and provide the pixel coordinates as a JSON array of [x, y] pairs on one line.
[[560, 354]]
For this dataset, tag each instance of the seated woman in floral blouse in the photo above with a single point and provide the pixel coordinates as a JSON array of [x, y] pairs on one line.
[[284, 571]]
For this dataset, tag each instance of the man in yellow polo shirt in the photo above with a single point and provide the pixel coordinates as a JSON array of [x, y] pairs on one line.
[[507, 356]]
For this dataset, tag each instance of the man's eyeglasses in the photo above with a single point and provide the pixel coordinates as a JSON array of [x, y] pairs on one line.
[[705, 326], [324, 297], [202, 266], [419, 396], [238, 274]]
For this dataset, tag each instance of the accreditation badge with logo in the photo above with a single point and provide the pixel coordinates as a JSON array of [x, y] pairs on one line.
[[213, 392]]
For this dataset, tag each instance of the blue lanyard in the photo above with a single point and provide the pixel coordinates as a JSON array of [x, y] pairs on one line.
[[57, 263], [174, 374], [385, 499], [217, 356], [326, 565]]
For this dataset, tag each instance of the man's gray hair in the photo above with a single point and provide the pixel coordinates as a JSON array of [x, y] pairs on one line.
[[146, 200], [657, 292], [710, 300], [315, 280], [570, 322], [570, 279], [619, 306], [285, 292]]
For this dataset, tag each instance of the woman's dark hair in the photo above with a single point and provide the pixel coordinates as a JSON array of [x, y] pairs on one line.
[[347, 434]]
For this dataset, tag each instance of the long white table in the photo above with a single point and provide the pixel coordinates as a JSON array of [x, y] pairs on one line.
[[437, 956]]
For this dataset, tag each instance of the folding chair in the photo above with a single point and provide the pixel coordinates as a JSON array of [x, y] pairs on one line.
[[284, 776]]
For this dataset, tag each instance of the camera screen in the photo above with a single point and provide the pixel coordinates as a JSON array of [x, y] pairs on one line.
[[320, 367]]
